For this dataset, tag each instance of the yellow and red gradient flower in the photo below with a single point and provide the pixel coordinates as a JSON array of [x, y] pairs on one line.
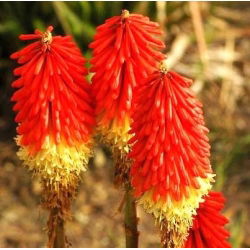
[[171, 170], [125, 51], [54, 108], [208, 225]]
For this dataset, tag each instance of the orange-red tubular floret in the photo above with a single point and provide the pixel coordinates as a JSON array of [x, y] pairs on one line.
[[170, 146], [125, 51], [53, 97], [208, 226]]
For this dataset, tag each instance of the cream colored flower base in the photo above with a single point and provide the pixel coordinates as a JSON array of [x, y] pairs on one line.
[[175, 217], [116, 134], [57, 164], [116, 137]]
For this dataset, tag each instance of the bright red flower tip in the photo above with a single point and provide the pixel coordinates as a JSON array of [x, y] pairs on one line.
[[53, 96], [170, 147], [208, 225], [125, 50]]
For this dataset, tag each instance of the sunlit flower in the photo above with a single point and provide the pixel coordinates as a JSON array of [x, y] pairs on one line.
[[208, 225], [54, 113], [125, 51], [170, 151]]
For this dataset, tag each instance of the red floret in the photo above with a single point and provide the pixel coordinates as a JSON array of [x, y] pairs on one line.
[[208, 226], [170, 146], [53, 97], [125, 51]]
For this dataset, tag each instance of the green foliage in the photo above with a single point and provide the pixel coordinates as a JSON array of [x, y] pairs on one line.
[[237, 229], [232, 160]]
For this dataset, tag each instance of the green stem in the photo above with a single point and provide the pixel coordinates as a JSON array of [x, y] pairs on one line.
[[130, 220]]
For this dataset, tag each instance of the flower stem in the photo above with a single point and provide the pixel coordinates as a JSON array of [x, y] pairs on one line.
[[60, 236], [56, 230], [130, 220]]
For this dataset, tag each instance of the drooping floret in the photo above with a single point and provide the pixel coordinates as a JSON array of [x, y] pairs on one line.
[[170, 151], [208, 225], [53, 96], [125, 51], [55, 113]]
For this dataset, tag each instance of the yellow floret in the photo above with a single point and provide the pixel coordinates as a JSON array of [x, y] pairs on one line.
[[115, 135], [175, 217], [57, 164]]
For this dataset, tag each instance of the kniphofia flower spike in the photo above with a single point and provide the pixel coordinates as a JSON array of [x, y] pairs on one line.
[[125, 51], [54, 113], [208, 225], [170, 151]]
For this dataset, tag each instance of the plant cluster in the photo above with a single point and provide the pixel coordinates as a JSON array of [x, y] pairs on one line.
[[144, 112]]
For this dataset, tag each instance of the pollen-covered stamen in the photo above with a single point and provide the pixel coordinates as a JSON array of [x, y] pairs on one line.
[[125, 14], [163, 67], [47, 36]]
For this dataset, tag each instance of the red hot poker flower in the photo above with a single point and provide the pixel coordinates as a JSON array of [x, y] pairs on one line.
[[54, 114], [208, 225], [170, 150], [53, 97], [125, 51]]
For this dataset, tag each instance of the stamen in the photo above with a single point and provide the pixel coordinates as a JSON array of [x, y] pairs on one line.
[[163, 67], [125, 14], [47, 37]]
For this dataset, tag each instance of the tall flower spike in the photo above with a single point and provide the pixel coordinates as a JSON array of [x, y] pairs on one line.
[[54, 114], [208, 225], [170, 151], [125, 51]]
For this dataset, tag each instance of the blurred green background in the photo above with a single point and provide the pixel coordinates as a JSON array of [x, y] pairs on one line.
[[206, 41]]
